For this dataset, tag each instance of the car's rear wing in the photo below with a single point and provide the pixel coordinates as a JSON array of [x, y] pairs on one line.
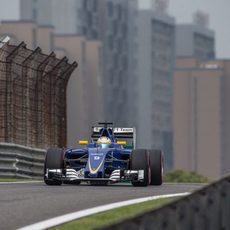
[[118, 132], [124, 132]]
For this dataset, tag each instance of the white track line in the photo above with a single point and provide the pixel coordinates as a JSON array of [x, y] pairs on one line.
[[79, 214]]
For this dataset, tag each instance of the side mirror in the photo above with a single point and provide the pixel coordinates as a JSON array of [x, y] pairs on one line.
[[121, 142], [81, 142]]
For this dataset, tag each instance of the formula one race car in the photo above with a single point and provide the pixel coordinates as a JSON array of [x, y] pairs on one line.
[[106, 159]]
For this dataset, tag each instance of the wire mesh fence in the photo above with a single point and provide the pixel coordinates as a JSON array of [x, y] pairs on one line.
[[33, 96]]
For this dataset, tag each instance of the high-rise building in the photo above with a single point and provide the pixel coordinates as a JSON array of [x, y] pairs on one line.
[[150, 83], [68, 17], [116, 32], [109, 21], [195, 41], [201, 123], [63, 15]]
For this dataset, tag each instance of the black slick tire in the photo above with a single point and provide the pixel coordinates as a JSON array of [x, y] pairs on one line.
[[140, 161], [53, 160], [156, 166]]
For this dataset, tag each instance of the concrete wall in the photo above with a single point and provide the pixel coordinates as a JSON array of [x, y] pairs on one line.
[[206, 208]]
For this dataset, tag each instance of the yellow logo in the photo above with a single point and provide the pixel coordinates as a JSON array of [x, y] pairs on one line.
[[93, 171]]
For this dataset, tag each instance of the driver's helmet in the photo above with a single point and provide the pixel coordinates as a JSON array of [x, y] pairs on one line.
[[104, 142]]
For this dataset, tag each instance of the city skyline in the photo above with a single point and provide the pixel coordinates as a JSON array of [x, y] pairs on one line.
[[217, 11], [136, 67]]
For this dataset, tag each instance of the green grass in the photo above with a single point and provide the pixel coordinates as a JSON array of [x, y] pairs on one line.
[[113, 216], [180, 176]]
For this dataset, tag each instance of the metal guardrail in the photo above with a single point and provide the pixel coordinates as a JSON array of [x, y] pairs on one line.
[[17, 161], [205, 209]]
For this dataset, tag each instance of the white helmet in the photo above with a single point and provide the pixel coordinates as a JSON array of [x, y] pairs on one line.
[[104, 142]]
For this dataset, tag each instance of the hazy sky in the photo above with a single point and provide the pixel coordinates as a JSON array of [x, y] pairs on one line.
[[182, 10]]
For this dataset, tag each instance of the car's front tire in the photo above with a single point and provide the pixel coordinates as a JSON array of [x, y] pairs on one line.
[[53, 160], [140, 161]]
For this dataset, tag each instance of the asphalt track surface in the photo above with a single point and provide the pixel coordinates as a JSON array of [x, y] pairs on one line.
[[22, 204]]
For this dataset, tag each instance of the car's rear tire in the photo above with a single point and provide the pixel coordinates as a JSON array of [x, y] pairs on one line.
[[53, 160], [140, 161], [156, 165]]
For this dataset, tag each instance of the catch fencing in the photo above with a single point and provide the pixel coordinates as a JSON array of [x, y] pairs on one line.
[[33, 96], [17, 161], [205, 209]]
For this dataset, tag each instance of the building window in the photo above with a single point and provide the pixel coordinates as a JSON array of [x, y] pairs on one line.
[[84, 4], [94, 34], [115, 61], [125, 63], [119, 45], [110, 9], [111, 76], [115, 27], [84, 30], [119, 9], [89, 19], [95, 5], [124, 30], [204, 46], [110, 42], [35, 14], [95, 21]]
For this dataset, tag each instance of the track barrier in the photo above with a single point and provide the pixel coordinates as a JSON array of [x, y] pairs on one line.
[[17, 161], [205, 209]]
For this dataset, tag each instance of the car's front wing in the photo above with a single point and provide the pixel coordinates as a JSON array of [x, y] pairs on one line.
[[117, 175]]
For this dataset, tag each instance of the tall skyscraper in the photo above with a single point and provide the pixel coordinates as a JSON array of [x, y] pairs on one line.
[[63, 15], [195, 40], [150, 83], [116, 31], [109, 21]]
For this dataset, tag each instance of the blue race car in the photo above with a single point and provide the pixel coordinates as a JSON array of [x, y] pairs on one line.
[[106, 159]]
